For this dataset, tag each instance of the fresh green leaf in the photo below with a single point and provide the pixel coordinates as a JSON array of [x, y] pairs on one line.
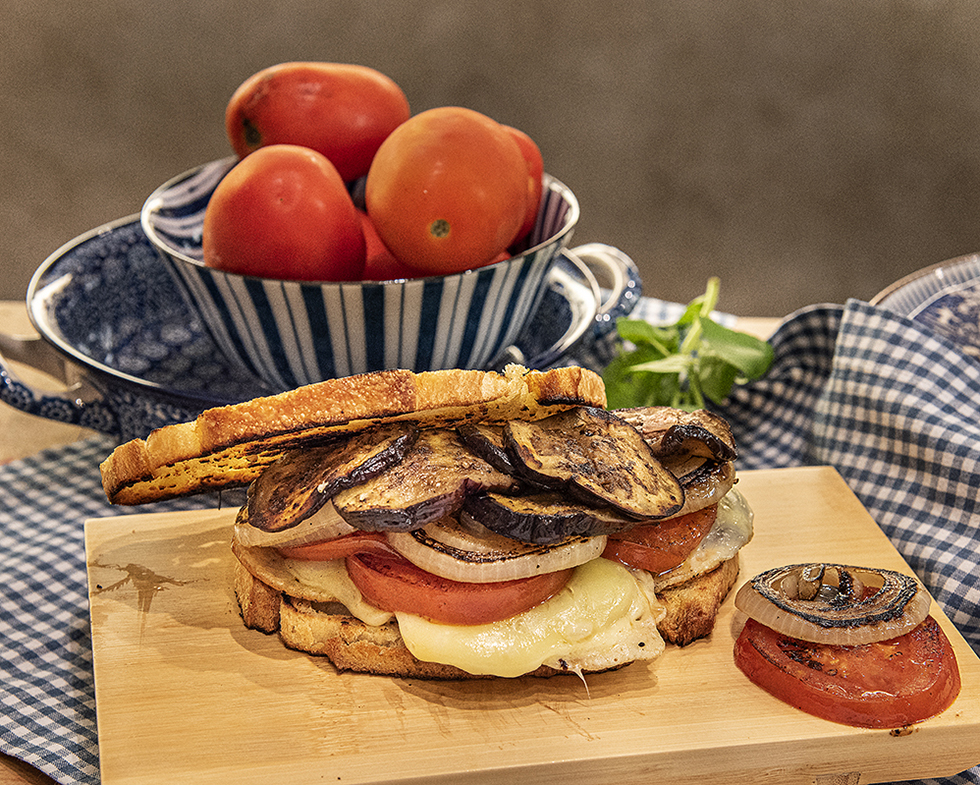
[[750, 355], [638, 331], [684, 363], [691, 313], [625, 388], [673, 363], [644, 334], [716, 377]]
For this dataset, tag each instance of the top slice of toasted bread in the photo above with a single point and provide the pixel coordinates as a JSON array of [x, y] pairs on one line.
[[228, 446]]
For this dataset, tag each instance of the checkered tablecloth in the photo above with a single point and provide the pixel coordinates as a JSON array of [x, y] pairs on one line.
[[895, 409]]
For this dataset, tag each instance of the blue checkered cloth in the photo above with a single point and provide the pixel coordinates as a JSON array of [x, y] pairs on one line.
[[47, 690], [894, 408]]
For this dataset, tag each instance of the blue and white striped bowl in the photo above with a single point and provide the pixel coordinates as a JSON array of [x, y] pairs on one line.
[[290, 333]]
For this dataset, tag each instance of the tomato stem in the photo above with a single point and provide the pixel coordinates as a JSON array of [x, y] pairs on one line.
[[439, 228]]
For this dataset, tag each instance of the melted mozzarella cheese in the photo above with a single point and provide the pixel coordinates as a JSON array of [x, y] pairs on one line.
[[330, 581], [731, 530], [605, 616]]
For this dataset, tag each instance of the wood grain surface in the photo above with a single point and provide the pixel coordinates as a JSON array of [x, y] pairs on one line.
[[186, 694]]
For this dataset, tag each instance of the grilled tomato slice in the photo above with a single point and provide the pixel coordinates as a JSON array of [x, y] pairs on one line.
[[885, 684]]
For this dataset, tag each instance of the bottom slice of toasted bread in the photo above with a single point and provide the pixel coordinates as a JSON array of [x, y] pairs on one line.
[[693, 606], [258, 603], [324, 629]]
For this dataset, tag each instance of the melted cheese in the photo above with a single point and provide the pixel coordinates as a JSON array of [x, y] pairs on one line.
[[605, 616], [332, 582], [731, 530]]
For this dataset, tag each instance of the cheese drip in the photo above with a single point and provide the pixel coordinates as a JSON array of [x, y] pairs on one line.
[[605, 616]]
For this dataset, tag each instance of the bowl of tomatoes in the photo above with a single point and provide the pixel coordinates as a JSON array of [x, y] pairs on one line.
[[293, 332], [349, 235]]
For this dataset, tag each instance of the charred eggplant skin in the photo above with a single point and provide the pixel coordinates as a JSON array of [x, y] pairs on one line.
[[429, 483], [678, 434], [487, 441], [544, 518], [598, 458], [581, 473], [302, 480]]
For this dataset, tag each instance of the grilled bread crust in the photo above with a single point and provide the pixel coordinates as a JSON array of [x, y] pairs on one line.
[[352, 645], [693, 606], [229, 446]]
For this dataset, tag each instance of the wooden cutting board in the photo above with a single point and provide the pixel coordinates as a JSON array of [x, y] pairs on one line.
[[186, 694]]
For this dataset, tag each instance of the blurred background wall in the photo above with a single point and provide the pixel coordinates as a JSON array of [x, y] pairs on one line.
[[804, 151]]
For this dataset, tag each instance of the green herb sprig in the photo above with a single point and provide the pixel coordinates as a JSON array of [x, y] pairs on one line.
[[686, 363]]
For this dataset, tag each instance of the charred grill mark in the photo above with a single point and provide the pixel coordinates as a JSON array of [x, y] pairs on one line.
[[301, 481], [597, 457], [672, 433], [430, 482], [543, 517]]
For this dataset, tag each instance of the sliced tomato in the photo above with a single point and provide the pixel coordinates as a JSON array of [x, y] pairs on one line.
[[393, 583], [340, 547], [661, 546], [888, 684]]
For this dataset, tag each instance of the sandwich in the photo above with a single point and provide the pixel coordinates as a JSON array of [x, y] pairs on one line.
[[462, 524]]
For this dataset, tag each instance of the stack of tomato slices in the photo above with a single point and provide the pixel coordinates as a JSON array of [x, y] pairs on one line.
[[869, 656], [456, 573]]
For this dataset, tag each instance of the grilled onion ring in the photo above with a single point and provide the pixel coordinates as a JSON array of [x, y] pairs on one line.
[[469, 552], [324, 524], [834, 603]]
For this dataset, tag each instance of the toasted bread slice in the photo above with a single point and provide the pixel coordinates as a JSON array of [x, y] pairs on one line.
[[228, 446], [258, 602], [693, 606]]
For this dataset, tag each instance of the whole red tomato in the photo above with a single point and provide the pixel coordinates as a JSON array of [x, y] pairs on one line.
[[343, 111], [284, 212], [535, 184], [447, 190], [380, 264]]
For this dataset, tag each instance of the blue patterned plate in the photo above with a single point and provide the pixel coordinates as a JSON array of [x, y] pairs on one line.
[[944, 297], [107, 303]]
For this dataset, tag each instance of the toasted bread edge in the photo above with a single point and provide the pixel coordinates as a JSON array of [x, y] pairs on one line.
[[228, 446]]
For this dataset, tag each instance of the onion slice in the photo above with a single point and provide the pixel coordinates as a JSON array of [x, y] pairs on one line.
[[835, 604], [324, 524], [471, 553]]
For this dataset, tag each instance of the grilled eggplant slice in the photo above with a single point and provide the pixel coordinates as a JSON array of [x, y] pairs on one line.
[[487, 441], [543, 518], [429, 483], [673, 433], [597, 457], [706, 484], [301, 481]]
